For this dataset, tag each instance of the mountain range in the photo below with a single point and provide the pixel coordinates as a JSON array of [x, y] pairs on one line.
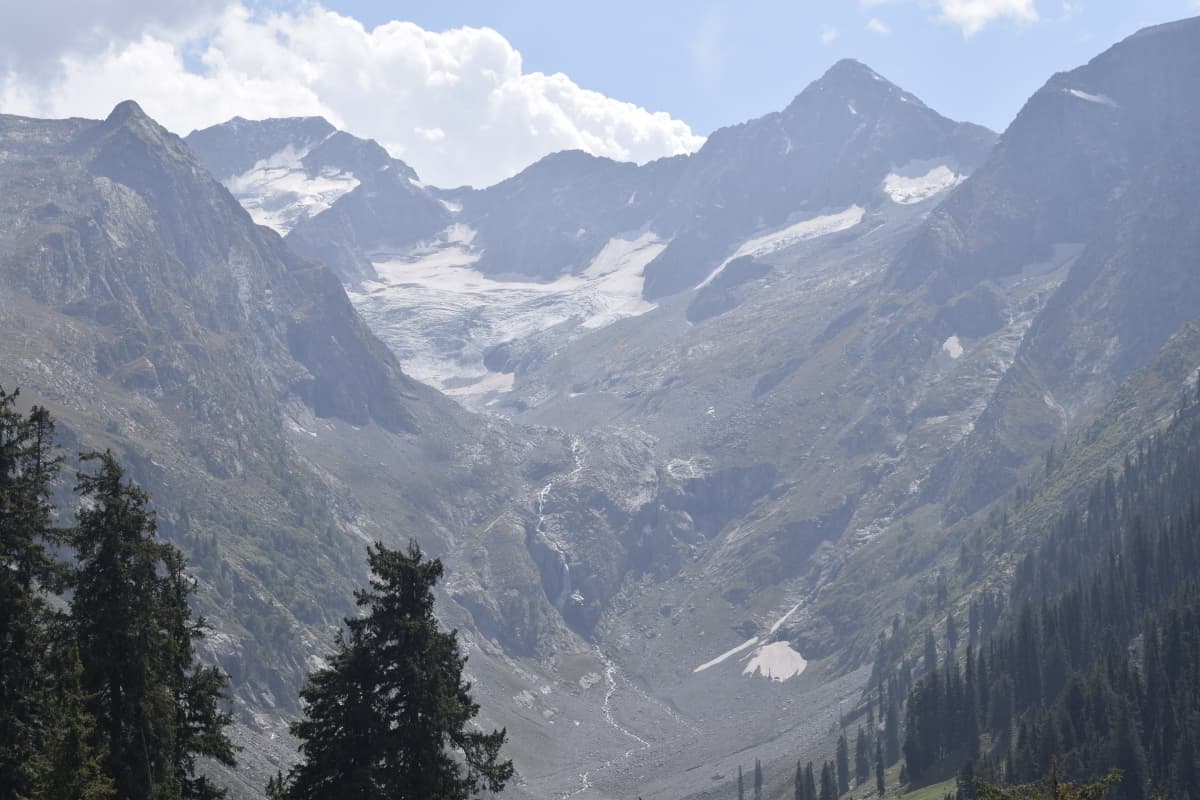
[[689, 435]]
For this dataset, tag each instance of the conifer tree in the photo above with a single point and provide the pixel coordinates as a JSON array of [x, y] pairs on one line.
[[741, 784], [843, 765], [27, 572], [862, 757], [891, 732], [390, 716], [155, 710], [758, 780], [810, 782], [879, 784], [828, 783]]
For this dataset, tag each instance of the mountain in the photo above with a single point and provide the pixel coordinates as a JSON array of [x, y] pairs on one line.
[[335, 197], [832, 148], [275, 433], [751, 413], [576, 242]]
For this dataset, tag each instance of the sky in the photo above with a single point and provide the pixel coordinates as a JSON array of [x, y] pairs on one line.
[[471, 91]]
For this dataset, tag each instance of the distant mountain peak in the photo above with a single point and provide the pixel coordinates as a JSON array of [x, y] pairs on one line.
[[124, 111], [852, 81]]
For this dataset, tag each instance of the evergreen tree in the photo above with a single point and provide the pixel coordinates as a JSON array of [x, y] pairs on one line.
[[879, 784], [843, 765], [27, 571], [799, 788], [828, 783], [741, 785], [758, 780], [390, 716], [862, 757], [810, 782], [931, 659], [891, 732], [155, 710]]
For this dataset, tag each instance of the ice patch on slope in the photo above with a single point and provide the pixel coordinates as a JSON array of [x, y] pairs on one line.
[[776, 661], [440, 315], [807, 229], [1093, 98], [908, 186], [790, 235], [952, 347], [278, 191], [772, 658]]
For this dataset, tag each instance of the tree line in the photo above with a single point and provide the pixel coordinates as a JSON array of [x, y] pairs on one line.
[[1098, 665]]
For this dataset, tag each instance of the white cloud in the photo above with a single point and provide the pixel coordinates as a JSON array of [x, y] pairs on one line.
[[972, 16], [457, 105], [829, 35], [876, 25]]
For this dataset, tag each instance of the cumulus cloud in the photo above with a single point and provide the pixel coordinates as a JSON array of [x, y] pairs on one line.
[[457, 105], [972, 16], [876, 25], [829, 35], [34, 35]]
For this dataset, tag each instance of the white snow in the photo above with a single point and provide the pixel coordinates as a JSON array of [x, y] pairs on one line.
[[278, 191], [801, 231], [952, 347], [772, 652], [439, 314], [1093, 98], [753, 640], [852, 109], [793, 234], [777, 661], [909, 186]]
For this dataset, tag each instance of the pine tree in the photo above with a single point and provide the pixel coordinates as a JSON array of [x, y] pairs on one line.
[[27, 571], [879, 784], [741, 784], [828, 783], [843, 765], [931, 659], [758, 780], [390, 716], [155, 710], [862, 757], [799, 787], [892, 732], [810, 782]]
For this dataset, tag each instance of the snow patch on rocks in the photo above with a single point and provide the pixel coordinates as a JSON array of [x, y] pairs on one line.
[[1099, 99], [776, 661], [279, 192], [440, 314], [909, 185]]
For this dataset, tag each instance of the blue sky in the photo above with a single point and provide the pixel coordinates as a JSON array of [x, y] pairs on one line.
[[719, 63], [473, 91]]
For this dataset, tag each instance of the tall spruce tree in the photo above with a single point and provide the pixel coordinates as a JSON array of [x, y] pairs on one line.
[[810, 782], [758, 780], [843, 765], [891, 732], [389, 717], [862, 757], [155, 710], [879, 783], [828, 783], [28, 571], [741, 784]]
